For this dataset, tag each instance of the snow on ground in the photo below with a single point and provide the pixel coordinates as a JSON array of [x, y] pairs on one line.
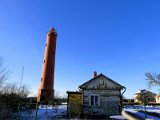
[[117, 117], [148, 108], [59, 112], [133, 109], [45, 112]]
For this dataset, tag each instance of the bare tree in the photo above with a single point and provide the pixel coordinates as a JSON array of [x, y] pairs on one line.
[[12, 88], [10, 94], [3, 74], [57, 94], [153, 79]]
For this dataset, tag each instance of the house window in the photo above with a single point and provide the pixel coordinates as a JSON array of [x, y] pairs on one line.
[[52, 52], [101, 82], [94, 100]]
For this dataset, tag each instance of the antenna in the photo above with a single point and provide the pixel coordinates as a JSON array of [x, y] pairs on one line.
[[21, 77]]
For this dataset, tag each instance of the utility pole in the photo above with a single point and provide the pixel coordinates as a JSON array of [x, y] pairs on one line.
[[20, 89], [21, 77]]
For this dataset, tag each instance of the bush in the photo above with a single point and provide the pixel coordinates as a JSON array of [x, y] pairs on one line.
[[10, 98]]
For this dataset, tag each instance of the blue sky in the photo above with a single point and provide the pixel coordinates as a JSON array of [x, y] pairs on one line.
[[119, 38]]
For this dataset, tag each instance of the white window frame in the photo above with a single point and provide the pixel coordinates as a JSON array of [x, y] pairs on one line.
[[94, 100]]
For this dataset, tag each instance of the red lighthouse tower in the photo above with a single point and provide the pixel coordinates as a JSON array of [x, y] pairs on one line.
[[46, 90]]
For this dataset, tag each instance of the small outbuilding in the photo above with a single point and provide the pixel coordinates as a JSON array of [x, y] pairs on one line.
[[74, 103]]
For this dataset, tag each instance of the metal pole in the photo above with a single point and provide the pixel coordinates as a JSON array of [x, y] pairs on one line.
[[145, 102], [145, 110], [21, 77], [35, 117], [19, 108]]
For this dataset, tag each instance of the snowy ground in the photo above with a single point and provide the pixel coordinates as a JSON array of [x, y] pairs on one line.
[[148, 108], [45, 113], [59, 112], [134, 109]]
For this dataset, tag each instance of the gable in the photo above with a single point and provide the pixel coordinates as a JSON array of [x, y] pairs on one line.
[[101, 82]]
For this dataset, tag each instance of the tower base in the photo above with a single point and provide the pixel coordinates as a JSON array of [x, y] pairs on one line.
[[45, 95]]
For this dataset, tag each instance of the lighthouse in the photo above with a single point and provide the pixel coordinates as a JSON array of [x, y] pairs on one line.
[[46, 90]]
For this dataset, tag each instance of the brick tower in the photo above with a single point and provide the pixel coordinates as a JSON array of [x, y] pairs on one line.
[[46, 90]]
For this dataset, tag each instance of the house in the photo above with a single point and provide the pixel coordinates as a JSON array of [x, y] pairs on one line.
[[101, 96], [144, 96], [157, 99]]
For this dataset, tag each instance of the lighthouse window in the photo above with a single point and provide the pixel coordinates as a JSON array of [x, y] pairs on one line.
[[43, 61], [46, 44]]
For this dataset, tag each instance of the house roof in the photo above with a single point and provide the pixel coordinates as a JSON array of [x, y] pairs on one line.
[[143, 91], [101, 75], [158, 96], [74, 92]]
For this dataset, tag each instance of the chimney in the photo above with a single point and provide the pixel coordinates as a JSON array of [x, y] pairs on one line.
[[95, 74]]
